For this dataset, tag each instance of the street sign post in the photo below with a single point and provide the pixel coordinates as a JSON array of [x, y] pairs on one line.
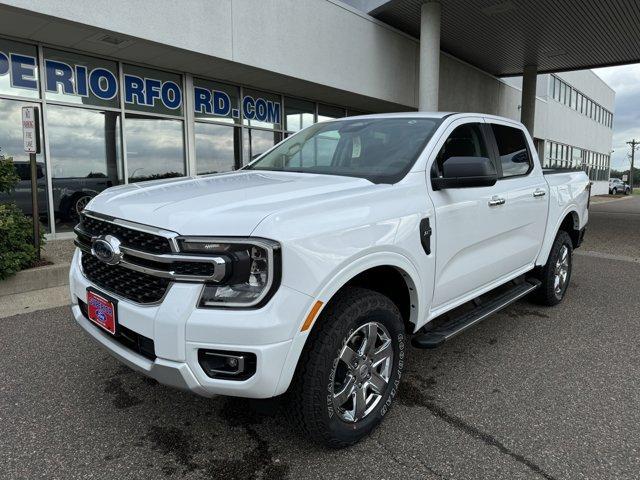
[[31, 140], [625, 177]]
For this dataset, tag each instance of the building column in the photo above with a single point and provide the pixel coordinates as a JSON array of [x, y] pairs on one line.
[[429, 76], [528, 101]]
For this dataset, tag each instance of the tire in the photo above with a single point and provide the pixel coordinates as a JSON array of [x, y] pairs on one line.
[[626, 192], [76, 205], [554, 287], [614, 191], [325, 400]]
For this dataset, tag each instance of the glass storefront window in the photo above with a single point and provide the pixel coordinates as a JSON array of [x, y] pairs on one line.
[[216, 101], [153, 91], [11, 147], [155, 147], [217, 148], [79, 79], [329, 112], [261, 109], [85, 158], [18, 69], [256, 142], [298, 114]]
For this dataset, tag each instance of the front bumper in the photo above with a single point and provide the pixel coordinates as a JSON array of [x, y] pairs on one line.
[[179, 329]]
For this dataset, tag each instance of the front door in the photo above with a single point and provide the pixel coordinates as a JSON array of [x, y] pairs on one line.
[[472, 227]]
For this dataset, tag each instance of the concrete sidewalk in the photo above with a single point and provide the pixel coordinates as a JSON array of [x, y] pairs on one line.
[[41, 287]]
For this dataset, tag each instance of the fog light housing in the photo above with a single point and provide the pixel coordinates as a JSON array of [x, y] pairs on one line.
[[226, 364]]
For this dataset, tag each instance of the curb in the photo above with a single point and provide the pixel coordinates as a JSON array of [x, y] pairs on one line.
[[36, 279]]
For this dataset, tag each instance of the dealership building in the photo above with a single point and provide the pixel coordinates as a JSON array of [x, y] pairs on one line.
[[137, 90]]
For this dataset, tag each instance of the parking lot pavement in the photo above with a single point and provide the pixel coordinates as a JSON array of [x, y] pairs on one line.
[[531, 393], [614, 228]]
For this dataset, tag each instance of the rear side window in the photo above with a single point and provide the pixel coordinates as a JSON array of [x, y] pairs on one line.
[[513, 150]]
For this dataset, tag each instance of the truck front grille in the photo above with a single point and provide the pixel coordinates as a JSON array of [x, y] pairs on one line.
[[136, 286], [136, 239]]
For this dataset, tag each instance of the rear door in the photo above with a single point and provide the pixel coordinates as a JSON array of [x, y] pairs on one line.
[[525, 190]]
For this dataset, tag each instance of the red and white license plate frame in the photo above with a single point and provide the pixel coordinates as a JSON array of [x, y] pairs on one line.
[[102, 310]]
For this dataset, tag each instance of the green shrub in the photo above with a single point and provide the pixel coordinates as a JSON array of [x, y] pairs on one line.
[[8, 176], [16, 240], [16, 229]]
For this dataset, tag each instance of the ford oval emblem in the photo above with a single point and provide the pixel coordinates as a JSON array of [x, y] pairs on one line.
[[106, 248]]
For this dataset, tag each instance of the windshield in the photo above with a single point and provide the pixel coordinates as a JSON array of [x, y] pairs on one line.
[[381, 150]]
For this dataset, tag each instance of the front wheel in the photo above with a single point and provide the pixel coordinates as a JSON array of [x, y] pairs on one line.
[[349, 372], [614, 191], [627, 191], [556, 274]]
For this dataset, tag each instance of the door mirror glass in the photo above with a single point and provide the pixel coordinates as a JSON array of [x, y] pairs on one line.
[[466, 172]]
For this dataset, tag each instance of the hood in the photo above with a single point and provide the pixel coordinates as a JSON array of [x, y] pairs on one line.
[[230, 204]]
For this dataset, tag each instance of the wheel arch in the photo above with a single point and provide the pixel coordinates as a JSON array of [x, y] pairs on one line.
[[570, 222], [363, 271]]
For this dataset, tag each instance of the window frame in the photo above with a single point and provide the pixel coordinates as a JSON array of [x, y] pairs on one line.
[[433, 161], [496, 150]]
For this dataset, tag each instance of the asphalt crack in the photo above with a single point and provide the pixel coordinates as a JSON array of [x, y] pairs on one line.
[[411, 395]]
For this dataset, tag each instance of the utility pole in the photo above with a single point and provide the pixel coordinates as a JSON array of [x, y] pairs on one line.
[[634, 144]]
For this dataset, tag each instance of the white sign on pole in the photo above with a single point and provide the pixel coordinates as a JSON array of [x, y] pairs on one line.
[[30, 129], [624, 177]]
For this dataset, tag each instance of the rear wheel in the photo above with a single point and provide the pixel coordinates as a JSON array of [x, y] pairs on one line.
[[627, 191], [349, 372], [556, 274], [614, 191]]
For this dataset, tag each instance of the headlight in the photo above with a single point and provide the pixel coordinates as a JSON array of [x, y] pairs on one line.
[[252, 266]]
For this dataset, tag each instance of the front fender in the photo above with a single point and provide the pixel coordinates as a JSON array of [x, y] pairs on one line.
[[338, 280]]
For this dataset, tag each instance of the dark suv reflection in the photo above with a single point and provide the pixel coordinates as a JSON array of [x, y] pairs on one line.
[[70, 195]]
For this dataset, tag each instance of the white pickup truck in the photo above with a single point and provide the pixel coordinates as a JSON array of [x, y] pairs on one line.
[[307, 271]]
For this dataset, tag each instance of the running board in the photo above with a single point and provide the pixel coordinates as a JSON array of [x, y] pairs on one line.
[[442, 333]]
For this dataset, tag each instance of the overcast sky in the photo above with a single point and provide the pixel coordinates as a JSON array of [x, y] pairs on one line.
[[626, 82]]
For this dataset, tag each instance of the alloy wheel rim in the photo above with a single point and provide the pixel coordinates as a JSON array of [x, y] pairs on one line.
[[561, 271], [361, 375], [80, 204]]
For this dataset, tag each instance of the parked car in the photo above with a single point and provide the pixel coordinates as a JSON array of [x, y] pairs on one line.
[[307, 272], [70, 194], [618, 186]]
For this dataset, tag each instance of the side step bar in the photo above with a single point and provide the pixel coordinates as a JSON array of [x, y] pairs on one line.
[[442, 333]]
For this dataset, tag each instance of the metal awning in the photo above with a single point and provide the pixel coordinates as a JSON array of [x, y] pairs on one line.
[[501, 37]]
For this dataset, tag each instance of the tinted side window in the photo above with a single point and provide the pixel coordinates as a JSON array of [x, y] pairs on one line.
[[465, 141], [513, 151]]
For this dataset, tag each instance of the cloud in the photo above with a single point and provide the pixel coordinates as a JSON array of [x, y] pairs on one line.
[[625, 80]]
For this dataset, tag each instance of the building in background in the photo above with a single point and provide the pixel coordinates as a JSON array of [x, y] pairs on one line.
[[196, 87]]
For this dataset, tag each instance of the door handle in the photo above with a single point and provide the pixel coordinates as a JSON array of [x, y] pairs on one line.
[[539, 193], [495, 201]]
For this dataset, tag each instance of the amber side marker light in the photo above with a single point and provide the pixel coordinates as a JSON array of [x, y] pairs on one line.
[[312, 316]]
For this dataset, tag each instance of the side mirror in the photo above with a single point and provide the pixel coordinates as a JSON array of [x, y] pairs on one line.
[[466, 172]]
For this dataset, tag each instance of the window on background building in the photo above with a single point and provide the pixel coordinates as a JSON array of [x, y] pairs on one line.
[[574, 99], [298, 114], [256, 142], [80, 80], [563, 92], [216, 101], [261, 109], [18, 69], [217, 147], [329, 112], [576, 159], [155, 147], [154, 140], [85, 158], [11, 147], [513, 150]]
